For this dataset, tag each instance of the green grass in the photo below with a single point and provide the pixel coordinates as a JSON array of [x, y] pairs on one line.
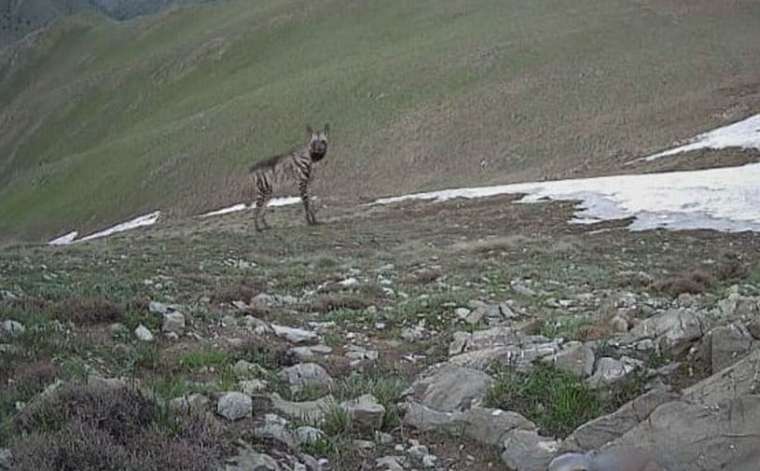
[[204, 359], [163, 111]]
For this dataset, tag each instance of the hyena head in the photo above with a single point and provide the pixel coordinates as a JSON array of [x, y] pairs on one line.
[[317, 143]]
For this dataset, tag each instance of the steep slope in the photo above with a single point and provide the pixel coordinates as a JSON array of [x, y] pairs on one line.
[[102, 120]]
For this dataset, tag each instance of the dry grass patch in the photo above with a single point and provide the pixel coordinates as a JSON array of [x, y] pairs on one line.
[[88, 311], [333, 302]]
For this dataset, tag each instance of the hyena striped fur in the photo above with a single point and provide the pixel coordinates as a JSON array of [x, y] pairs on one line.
[[295, 166]]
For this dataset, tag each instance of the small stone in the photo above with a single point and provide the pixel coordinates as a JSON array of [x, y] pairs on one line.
[[575, 358], [158, 308], [246, 370], [173, 322], [234, 406], [365, 411], [11, 329], [363, 444], [429, 461], [390, 463], [275, 428], [143, 334], [5, 459], [240, 305], [306, 375], [294, 335], [252, 386], [117, 329], [384, 438], [462, 312], [619, 324], [610, 370]]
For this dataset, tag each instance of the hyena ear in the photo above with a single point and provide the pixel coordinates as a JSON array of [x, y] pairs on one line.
[[327, 128], [309, 130]]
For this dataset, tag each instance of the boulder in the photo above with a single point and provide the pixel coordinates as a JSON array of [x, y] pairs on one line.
[[728, 344], [683, 436], [173, 322], [365, 412], [234, 406], [448, 388], [674, 330], [307, 411], [294, 335], [574, 358], [304, 375], [143, 334], [526, 450]]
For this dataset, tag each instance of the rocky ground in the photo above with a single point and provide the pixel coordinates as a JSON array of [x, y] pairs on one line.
[[461, 335]]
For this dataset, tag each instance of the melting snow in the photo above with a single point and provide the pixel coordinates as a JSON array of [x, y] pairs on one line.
[[744, 134], [724, 199], [146, 220], [64, 239], [242, 206]]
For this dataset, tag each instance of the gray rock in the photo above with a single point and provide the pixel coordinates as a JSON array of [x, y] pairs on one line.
[[610, 371], [575, 358], [246, 370], [159, 308], [5, 459], [117, 329], [143, 334], [252, 386], [235, 406], [359, 354], [365, 412], [740, 379], [275, 428], [308, 353], [190, 403], [294, 335], [448, 388], [11, 329], [390, 463], [458, 344], [614, 459], [728, 344], [249, 459], [462, 312], [674, 330], [754, 328], [526, 450], [308, 411], [487, 426], [520, 357], [619, 324], [307, 435], [174, 322], [683, 436], [602, 430], [412, 334], [306, 375]]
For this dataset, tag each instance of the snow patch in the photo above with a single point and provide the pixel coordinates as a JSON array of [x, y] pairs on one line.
[[230, 209], [64, 239], [284, 201], [723, 199], [146, 220], [744, 134]]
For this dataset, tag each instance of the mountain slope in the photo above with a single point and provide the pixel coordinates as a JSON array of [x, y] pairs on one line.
[[102, 120]]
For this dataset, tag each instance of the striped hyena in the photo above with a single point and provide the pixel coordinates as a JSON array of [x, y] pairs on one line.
[[295, 166]]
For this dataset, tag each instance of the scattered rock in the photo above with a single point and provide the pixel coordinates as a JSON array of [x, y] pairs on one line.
[[235, 406], [308, 353], [602, 430], [275, 428], [449, 387], [174, 322], [613, 459], [737, 380], [674, 330], [458, 344], [359, 354], [246, 370], [252, 386], [619, 324], [5, 459], [249, 459], [610, 371], [118, 329], [306, 375], [754, 328], [191, 403], [390, 463], [728, 344], [365, 412], [683, 435], [412, 334], [519, 287], [143, 334], [10, 328], [526, 450], [575, 358], [462, 312], [294, 335], [487, 426]]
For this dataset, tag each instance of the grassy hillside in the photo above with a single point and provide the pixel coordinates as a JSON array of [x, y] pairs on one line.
[[103, 120]]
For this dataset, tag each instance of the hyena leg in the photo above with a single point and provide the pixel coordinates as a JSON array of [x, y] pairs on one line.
[[263, 194], [303, 186]]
